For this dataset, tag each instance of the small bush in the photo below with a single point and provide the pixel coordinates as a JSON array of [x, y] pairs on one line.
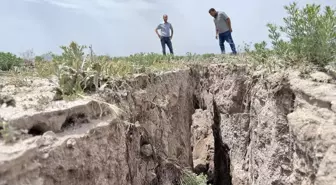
[[8, 61], [308, 35], [39, 59], [190, 178]]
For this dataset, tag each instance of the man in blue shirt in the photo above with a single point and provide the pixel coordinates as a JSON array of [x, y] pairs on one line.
[[223, 29], [165, 36]]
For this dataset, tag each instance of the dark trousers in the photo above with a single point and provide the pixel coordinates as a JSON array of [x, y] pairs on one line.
[[164, 41], [226, 36]]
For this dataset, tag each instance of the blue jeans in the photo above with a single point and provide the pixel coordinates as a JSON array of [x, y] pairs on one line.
[[164, 41], [226, 36]]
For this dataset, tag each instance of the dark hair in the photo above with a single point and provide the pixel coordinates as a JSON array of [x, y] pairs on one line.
[[212, 10]]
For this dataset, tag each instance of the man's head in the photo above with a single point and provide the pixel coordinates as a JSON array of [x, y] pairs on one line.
[[213, 12], [165, 18]]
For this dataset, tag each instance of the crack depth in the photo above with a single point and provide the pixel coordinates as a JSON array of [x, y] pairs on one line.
[[222, 174]]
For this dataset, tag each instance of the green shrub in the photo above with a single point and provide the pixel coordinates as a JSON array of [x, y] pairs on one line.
[[39, 59], [8, 61], [312, 33], [72, 55], [190, 178], [308, 35]]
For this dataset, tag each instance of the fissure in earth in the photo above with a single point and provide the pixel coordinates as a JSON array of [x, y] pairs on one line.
[[221, 157]]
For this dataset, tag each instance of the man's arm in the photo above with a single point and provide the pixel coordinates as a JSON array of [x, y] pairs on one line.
[[156, 31], [216, 30], [227, 20], [172, 31]]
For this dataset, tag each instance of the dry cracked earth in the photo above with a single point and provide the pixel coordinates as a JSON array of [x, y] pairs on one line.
[[238, 127]]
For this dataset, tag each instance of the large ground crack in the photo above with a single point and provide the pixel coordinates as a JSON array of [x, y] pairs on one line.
[[222, 173]]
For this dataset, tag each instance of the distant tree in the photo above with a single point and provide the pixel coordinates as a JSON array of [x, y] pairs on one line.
[[8, 61]]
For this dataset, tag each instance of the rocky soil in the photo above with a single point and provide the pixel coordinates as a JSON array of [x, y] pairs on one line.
[[238, 127]]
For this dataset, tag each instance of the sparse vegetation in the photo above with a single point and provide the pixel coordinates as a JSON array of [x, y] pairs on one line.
[[307, 38], [190, 178], [79, 70]]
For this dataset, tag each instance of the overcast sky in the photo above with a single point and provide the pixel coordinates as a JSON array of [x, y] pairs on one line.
[[123, 27]]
